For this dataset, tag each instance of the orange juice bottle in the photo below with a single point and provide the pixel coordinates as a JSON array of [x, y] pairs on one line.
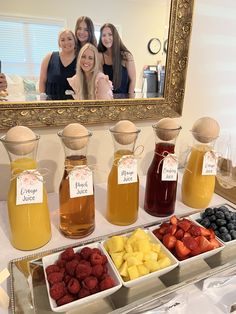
[[123, 182], [29, 218], [198, 181], [76, 192]]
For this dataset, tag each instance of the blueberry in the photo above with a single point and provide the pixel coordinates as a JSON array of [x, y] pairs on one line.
[[214, 226], [220, 222], [233, 234], [228, 216], [205, 222], [220, 214], [226, 237], [217, 233], [212, 218], [223, 230], [209, 211], [203, 214], [230, 226], [224, 208]]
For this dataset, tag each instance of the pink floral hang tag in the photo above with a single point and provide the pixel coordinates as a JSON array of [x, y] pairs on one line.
[[81, 181], [127, 170], [29, 187], [169, 168], [209, 165]]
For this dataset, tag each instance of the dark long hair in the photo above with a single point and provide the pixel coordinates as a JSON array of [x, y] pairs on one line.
[[91, 32], [119, 53]]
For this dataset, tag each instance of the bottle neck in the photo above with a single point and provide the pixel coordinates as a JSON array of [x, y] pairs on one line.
[[24, 163], [122, 152], [75, 160]]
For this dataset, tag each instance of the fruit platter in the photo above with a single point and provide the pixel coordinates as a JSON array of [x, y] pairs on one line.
[[123, 269]]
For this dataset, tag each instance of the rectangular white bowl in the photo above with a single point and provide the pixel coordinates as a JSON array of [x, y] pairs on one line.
[[196, 257], [194, 217], [158, 273], [51, 259]]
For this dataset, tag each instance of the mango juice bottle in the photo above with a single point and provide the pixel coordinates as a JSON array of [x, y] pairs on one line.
[[198, 182], [123, 182], [27, 197]]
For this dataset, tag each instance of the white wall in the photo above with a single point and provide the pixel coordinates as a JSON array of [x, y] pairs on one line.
[[210, 91]]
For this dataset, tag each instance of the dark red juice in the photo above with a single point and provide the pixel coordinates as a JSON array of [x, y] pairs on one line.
[[160, 196]]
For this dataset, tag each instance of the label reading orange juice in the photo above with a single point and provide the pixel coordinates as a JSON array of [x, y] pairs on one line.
[[29, 188], [127, 170], [170, 168], [209, 165], [81, 181]]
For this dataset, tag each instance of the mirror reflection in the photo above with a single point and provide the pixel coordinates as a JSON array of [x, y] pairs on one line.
[[136, 21]]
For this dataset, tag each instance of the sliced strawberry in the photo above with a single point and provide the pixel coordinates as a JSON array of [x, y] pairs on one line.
[[205, 232], [214, 243], [169, 241], [172, 229], [195, 252], [173, 220], [181, 250], [195, 230], [157, 234], [164, 227], [204, 244], [191, 243], [186, 234], [212, 234], [179, 234], [184, 224]]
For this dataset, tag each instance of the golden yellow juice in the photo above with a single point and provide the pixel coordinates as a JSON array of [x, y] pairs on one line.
[[30, 223], [122, 199], [197, 189]]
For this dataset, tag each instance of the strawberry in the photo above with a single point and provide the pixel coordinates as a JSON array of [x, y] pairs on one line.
[[195, 230], [212, 234], [169, 241], [171, 229], [179, 234], [184, 224], [214, 243], [181, 250], [205, 232], [204, 244], [173, 220], [164, 227], [186, 235], [157, 234], [191, 243], [195, 252]]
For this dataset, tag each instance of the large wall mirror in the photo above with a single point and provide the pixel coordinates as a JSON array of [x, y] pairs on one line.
[[174, 36]]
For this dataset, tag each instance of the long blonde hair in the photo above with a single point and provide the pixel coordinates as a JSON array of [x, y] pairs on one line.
[[86, 89]]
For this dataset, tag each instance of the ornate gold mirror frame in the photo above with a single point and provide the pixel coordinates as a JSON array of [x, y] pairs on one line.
[[60, 113]]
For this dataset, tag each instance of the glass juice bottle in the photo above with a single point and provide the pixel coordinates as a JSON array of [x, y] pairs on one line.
[[123, 182], [76, 192], [198, 184], [161, 181], [27, 197]]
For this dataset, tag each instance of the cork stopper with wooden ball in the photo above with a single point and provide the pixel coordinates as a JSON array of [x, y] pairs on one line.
[[75, 136], [125, 132], [205, 130], [20, 140], [167, 129]]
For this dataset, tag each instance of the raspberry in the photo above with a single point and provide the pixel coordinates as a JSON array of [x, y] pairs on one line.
[[97, 270], [84, 262], [107, 283], [82, 271], [95, 259], [96, 250], [65, 299], [104, 259], [71, 266], [95, 290], [90, 282], [52, 269], [68, 254], [57, 290], [83, 293], [61, 263], [77, 256], [86, 252], [55, 277], [67, 278], [73, 286]]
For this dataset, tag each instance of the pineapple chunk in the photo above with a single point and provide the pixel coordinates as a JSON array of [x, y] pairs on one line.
[[142, 245], [156, 247], [152, 265], [143, 270], [139, 234], [164, 262], [124, 269], [128, 248], [115, 244], [117, 258], [161, 254], [133, 272], [150, 256]]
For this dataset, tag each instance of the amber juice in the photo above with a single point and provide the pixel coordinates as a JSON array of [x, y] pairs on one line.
[[77, 215], [122, 199]]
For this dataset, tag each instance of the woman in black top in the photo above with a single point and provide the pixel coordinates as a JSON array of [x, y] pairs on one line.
[[117, 60], [57, 66]]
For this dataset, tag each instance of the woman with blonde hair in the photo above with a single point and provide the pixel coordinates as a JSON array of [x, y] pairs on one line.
[[57, 66], [89, 82]]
